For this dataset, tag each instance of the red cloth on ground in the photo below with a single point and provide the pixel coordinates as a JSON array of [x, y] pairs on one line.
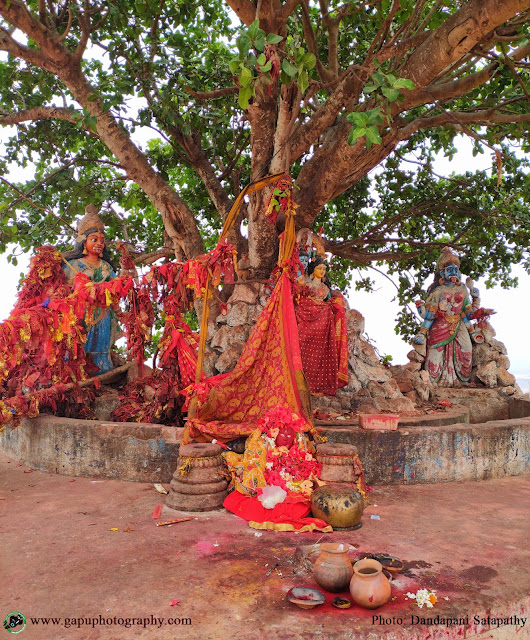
[[292, 512]]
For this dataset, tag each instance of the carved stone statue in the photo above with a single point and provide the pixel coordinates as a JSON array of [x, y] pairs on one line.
[[447, 327], [90, 256], [320, 314]]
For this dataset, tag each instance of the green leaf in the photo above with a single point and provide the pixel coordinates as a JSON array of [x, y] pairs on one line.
[[358, 118], [261, 59], [404, 83], [303, 81], [374, 116], [273, 38], [289, 68], [372, 134], [234, 64], [356, 133], [266, 67], [245, 77], [259, 42], [243, 43], [309, 60], [390, 94], [253, 29], [245, 93], [369, 88]]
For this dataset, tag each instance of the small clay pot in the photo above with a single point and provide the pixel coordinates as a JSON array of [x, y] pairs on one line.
[[369, 588], [340, 505], [333, 569]]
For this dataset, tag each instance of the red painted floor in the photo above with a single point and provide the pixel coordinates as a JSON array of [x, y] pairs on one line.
[[62, 559]]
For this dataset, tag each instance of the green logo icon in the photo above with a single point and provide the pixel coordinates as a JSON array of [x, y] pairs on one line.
[[15, 622]]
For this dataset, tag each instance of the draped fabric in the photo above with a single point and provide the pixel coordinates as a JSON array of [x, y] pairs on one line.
[[323, 343], [268, 374]]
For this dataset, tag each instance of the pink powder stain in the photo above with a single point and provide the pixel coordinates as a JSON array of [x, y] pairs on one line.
[[205, 546]]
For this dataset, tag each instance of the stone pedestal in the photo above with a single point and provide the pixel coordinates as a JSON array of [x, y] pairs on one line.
[[198, 483], [338, 463]]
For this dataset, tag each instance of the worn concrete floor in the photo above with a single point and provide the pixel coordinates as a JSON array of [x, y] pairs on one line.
[[62, 559]]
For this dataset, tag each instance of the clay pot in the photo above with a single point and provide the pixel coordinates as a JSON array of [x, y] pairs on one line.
[[369, 588], [333, 569], [339, 505], [337, 462], [202, 487]]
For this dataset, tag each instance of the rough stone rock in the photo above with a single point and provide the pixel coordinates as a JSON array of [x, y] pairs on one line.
[[405, 385], [412, 396], [352, 387], [412, 366], [508, 391], [498, 346], [104, 404], [238, 314], [364, 351], [487, 374], [424, 376], [210, 358], [396, 405], [365, 372], [247, 293], [487, 331], [354, 322], [376, 390], [505, 378], [227, 335], [391, 389], [228, 359], [421, 349], [484, 353], [325, 403], [133, 372], [414, 356]]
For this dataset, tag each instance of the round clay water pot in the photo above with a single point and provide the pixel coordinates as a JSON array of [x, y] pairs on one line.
[[333, 569], [369, 588], [340, 505]]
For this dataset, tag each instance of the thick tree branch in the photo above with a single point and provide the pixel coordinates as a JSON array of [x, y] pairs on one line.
[[288, 8], [244, 10], [40, 113], [211, 95], [486, 116], [451, 89]]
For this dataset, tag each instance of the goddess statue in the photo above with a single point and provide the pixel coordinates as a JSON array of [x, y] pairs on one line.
[[446, 326], [321, 319], [91, 257]]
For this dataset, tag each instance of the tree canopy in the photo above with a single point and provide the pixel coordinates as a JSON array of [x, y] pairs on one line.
[[353, 99]]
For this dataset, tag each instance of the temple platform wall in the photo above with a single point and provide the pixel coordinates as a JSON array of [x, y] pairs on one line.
[[413, 454]]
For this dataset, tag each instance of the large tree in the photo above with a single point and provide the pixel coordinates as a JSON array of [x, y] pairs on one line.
[[232, 91]]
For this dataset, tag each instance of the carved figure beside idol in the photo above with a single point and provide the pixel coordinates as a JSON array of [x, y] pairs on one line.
[[447, 329], [90, 256], [321, 319]]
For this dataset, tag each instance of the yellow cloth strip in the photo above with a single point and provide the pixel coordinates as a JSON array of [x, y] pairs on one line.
[[282, 526]]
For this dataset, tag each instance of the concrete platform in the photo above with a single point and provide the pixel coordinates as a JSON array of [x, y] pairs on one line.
[[412, 454], [79, 552]]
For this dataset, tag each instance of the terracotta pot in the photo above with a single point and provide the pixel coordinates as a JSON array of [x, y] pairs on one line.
[[333, 569], [339, 505], [369, 587], [337, 462]]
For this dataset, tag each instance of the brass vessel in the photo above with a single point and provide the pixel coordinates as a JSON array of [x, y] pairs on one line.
[[340, 505]]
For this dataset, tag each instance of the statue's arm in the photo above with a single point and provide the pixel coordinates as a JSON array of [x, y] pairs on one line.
[[427, 310]]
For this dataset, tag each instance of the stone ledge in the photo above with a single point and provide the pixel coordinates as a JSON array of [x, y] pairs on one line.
[[431, 454], [148, 452], [132, 451]]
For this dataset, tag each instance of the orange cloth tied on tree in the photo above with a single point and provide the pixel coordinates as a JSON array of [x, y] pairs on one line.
[[267, 375]]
